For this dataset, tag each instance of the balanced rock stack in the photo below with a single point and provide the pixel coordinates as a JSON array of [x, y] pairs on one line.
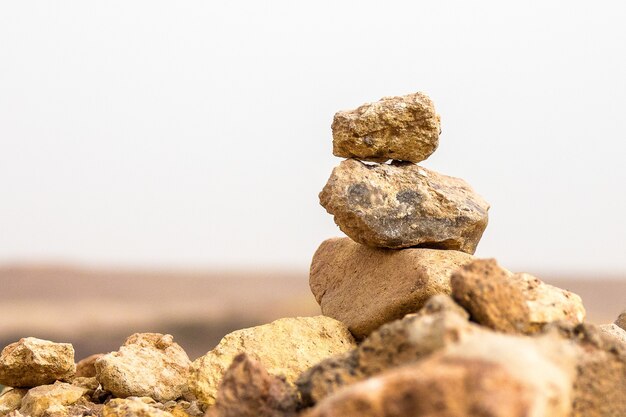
[[413, 325], [409, 227]]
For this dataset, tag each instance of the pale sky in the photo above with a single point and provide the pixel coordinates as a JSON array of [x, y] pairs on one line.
[[197, 134]]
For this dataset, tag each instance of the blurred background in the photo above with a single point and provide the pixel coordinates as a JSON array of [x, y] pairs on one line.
[[160, 161]]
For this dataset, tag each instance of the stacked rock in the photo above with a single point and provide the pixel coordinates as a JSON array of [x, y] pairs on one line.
[[432, 222]]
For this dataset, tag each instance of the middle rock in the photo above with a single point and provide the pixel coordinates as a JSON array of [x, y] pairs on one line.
[[403, 205]]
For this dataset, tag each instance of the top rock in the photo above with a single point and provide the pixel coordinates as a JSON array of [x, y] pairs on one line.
[[403, 128]]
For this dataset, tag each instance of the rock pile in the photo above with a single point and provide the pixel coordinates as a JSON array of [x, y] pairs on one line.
[[413, 324]]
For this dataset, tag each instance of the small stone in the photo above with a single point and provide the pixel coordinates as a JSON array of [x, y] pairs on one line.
[[512, 303], [11, 400], [401, 342], [87, 367], [247, 390], [404, 128], [131, 407], [147, 365], [284, 347], [615, 331], [367, 287], [440, 303], [51, 400], [621, 320], [493, 375], [404, 205], [31, 362]]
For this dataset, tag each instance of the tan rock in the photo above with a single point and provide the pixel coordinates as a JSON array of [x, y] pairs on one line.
[[147, 365], [87, 367], [621, 320], [132, 407], [404, 205], [600, 385], [509, 302], [184, 408], [247, 390], [401, 342], [615, 331], [495, 376], [367, 287], [51, 400], [284, 347], [11, 400], [440, 303], [403, 128], [31, 362]]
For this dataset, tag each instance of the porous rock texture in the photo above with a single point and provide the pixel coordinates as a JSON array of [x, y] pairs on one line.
[[615, 331], [51, 400], [512, 303], [248, 390], [403, 128], [401, 342], [132, 407], [621, 320], [600, 383], [11, 400], [147, 365], [402, 205], [366, 287], [514, 376], [31, 362], [284, 347]]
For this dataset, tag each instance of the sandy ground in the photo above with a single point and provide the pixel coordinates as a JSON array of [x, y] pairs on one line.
[[96, 309]]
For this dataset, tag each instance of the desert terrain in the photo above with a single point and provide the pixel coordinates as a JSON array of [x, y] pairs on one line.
[[95, 309]]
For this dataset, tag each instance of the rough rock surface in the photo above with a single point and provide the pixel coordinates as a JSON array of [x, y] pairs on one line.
[[366, 287], [86, 368], [615, 331], [621, 320], [600, 385], [398, 343], [31, 362], [247, 390], [512, 303], [284, 347], [11, 400], [403, 205], [147, 365], [404, 128], [501, 376], [132, 407], [51, 400]]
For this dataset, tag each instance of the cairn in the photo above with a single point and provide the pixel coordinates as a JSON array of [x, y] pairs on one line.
[[412, 324]]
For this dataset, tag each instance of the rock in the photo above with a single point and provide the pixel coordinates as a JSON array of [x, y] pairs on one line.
[[615, 331], [401, 342], [132, 407], [51, 400], [600, 385], [147, 365], [11, 400], [87, 367], [367, 287], [494, 376], [404, 128], [404, 205], [184, 408], [247, 390], [442, 303], [621, 321], [509, 302], [284, 347], [31, 362]]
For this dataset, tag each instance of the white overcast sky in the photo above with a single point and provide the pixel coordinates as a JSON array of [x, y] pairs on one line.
[[197, 134]]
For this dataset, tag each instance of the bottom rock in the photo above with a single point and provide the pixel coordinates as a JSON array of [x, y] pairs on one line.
[[491, 375]]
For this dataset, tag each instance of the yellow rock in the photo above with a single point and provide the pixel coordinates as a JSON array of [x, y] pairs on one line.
[[284, 347], [131, 407], [50, 400], [11, 400]]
